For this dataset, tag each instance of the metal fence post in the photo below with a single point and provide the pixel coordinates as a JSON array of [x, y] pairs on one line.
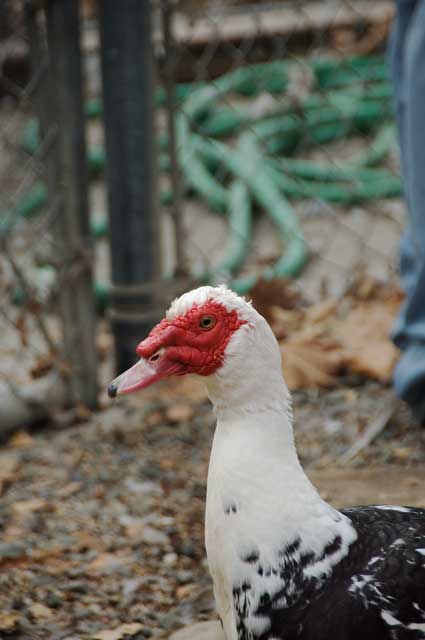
[[71, 225], [128, 93]]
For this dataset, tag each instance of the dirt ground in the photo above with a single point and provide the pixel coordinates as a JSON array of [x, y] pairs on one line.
[[102, 515]]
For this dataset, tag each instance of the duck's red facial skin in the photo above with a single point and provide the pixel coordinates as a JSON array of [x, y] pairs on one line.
[[191, 343], [199, 350]]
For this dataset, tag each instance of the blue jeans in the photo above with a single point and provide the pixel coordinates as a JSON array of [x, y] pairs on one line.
[[407, 58]]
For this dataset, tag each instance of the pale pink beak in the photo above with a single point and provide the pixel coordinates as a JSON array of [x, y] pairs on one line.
[[144, 373], [140, 375]]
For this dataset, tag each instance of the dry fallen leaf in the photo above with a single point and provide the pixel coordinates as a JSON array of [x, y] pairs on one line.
[[87, 540], [39, 612], [364, 337], [22, 507], [9, 622], [106, 563], [402, 454], [186, 590], [332, 336], [179, 412], [41, 367], [21, 440], [21, 326], [69, 489], [366, 287], [307, 365], [134, 530], [320, 312], [119, 633], [277, 292], [284, 322]]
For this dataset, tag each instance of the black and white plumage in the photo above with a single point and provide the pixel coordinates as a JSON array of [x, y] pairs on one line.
[[285, 564], [375, 591]]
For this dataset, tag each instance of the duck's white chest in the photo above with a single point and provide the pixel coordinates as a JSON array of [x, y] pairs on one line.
[[221, 531], [262, 513], [238, 530]]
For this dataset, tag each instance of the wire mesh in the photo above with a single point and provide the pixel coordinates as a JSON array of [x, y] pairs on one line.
[[41, 260], [277, 157], [293, 101]]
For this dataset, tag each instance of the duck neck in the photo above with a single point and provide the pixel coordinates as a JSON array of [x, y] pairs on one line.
[[254, 415], [254, 444]]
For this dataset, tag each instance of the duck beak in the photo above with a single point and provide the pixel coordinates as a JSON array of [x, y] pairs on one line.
[[143, 374], [140, 375], [155, 364]]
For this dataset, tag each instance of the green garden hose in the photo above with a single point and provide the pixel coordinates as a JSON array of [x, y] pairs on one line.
[[238, 244], [258, 165], [248, 164]]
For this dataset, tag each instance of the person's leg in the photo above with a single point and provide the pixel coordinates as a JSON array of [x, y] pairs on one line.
[[397, 55], [408, 65]]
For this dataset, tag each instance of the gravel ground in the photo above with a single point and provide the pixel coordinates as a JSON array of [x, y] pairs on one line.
[[102, 514]]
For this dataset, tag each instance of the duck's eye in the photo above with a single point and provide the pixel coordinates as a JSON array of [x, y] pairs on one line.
[[207, 322]]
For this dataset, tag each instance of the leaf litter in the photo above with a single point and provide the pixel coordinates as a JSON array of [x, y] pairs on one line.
[[322, 341]]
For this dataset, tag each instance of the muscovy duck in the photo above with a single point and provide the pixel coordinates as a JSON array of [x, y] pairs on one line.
[[285, 564]]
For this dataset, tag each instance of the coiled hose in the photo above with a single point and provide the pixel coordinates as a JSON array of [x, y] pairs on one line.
[[262, 163]]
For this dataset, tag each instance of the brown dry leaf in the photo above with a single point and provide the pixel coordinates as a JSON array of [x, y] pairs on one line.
[[87, 540], [41, 367], [33, 305], [179, 412], [58, 568], [134, 530], [23, 507], [21, 440], [376, 361], [284, 322], [402, 454], [366, 287], [320, 312], [9, 622], [364, 337], [9, 463], [352, 333], [21, 326], [42, 555], [39, 612], [119, 633], [309, 364], [69, 489], [277, 292], [106, 563], [186, 591], [168, 463]]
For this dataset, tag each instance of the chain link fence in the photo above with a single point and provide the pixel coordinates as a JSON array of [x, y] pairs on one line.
[[277, 157], [47, 319], [283, 131]]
